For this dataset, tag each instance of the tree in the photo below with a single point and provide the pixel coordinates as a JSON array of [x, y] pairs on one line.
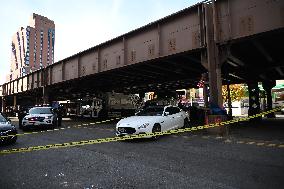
[[237, 91]]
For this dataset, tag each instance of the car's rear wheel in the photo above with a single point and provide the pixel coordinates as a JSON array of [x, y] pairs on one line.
[[156, 128]]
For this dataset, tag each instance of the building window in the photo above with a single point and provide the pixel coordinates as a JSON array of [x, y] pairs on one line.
[[24, 71], [48, 45], [27, 58], [41, 45], [35, 49], [23, 42], [52, 45], [15, 56], [19, 44]]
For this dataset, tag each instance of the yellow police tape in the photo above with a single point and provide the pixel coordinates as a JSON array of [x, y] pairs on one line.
[[58, 129], [115, 139]]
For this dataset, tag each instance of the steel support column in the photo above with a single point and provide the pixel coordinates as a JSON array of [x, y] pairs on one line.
[[214, 67], [268, 85], [229, 101], [205, 90], [254, 105], [14, 101], [214, 70], [3, 108]]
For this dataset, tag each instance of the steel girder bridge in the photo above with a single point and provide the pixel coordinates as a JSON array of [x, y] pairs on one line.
[[223, 41]]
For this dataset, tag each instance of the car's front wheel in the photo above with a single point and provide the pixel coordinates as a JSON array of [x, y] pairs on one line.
[[156, 128]]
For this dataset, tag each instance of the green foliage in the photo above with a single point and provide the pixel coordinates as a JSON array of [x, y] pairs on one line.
[[237, 92]]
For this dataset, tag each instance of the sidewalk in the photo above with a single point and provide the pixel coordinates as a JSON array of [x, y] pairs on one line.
[[271, 129]]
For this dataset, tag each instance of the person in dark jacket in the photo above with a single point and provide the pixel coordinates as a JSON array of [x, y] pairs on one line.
[[59, 116], [21, 114]]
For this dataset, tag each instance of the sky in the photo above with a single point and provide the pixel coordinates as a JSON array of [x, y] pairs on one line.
[[80, 24]]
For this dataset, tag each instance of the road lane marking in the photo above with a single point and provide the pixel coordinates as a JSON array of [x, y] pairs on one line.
[[240, 142], [260, 144], [250, 142]]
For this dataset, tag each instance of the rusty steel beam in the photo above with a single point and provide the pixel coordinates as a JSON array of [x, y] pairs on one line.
[[279, 70], [246, 18], [262, 50]]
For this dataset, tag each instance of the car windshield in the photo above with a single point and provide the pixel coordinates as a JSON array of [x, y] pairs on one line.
[[151, 111], [2, 118], [40, 111]]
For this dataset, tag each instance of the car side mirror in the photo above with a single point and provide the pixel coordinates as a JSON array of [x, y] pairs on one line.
[[166, 113]]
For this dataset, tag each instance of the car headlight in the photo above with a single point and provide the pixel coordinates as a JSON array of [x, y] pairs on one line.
[[143, 126], [48, 117], [25, 118]]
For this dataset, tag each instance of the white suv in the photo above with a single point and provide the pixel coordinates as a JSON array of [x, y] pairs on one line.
[[40, 117]]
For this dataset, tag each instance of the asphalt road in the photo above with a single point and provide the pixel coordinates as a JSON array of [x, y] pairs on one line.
[[189, 160]]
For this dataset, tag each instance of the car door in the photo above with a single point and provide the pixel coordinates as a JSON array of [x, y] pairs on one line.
[[168, 119], [179, 117], [176, 117]]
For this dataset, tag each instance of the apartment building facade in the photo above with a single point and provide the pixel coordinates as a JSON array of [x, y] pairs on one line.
[[32, 47]]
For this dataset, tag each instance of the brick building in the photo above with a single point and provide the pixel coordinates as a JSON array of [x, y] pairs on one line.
[[32, 47]]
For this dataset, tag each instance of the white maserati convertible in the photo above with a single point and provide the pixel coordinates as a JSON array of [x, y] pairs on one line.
[[153, 119]]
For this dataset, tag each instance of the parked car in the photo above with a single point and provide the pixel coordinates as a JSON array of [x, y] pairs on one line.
[[6, 128], [282, 110], [40, 117], [153, 119]]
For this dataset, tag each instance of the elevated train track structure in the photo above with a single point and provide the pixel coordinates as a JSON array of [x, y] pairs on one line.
[[235, 41]]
